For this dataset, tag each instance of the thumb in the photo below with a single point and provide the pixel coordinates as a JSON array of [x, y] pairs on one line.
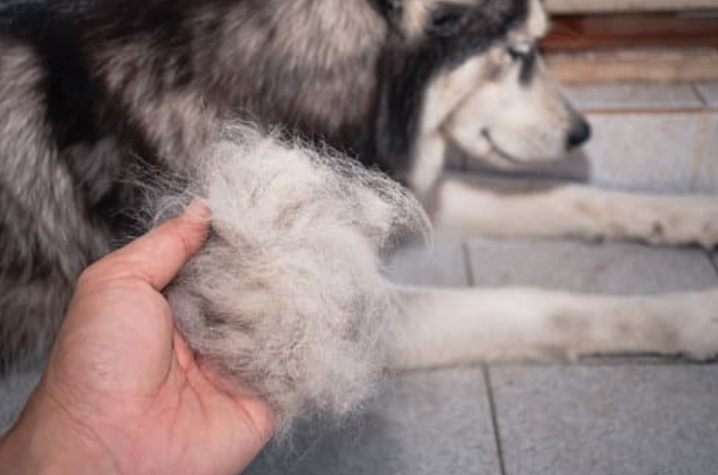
[[158, 256]]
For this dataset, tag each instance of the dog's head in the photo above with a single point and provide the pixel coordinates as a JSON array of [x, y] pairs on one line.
[[516, 112], [489, 92]]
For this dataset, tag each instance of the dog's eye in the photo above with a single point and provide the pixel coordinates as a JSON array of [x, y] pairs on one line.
[[390, 7], [446, 21], [524, 56], [520, 52]]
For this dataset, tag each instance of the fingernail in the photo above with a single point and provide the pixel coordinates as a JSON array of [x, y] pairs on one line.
[[198, 210]]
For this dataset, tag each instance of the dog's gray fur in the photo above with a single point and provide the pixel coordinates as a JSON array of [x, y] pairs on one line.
[[48, 227], [47, 237], [89, 87], [85, 87]]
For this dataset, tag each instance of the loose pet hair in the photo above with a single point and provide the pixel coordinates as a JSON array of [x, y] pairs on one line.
[[288, 294]]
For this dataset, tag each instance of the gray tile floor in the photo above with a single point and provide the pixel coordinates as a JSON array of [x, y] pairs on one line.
[[601, 416], [646, 137]]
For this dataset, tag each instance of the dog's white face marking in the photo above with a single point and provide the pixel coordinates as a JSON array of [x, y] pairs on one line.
[[503, 106], [417, 13], [510, 123], [538, 24], [443, 97]]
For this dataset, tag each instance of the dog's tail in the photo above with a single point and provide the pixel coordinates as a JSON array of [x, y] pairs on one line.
[[454, 326]]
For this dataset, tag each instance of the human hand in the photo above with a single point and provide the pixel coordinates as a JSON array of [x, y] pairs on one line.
[[122, 392]]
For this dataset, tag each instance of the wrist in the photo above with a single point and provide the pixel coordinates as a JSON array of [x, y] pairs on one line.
[[44, 443]]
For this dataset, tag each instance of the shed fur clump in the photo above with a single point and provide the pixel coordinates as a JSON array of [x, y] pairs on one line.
[[287, 295]]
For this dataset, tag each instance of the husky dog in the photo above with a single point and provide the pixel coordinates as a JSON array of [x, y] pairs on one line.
[[86, 88]]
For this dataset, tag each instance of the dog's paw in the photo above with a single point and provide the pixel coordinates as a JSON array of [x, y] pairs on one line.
[[688, 221], [698, 327], [708, 237]]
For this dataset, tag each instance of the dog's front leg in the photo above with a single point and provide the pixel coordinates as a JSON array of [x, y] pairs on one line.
[[449, 326], [469, 204]]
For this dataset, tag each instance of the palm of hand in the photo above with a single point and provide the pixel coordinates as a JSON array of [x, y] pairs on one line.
[[126, 381]]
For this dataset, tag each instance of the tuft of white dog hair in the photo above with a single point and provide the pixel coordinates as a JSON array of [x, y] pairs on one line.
[[288, 295]]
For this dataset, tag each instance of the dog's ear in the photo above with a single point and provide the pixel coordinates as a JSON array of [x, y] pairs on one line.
[[447, 20], [390, 9]]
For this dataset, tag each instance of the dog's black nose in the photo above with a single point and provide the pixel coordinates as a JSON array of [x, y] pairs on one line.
[[579, 134]]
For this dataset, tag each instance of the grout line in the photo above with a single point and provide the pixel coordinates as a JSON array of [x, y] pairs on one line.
[[642, 110], [471, 281], [698, 93], [494, 418], [468, 271], [708, 104], [611, 361], [713, 259], [699, 150]]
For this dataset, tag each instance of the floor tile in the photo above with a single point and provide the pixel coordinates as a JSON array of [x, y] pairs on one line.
[[572, 167], [709, 93], [625, 6], [14, 392], [644, 152], [435, 422], [628, 420], [705, 174], [616, 268], [633, 96], [438, 264]]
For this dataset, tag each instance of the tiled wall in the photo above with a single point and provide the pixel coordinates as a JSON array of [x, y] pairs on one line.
[[571, 6], [652, 137], [646, 137]]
